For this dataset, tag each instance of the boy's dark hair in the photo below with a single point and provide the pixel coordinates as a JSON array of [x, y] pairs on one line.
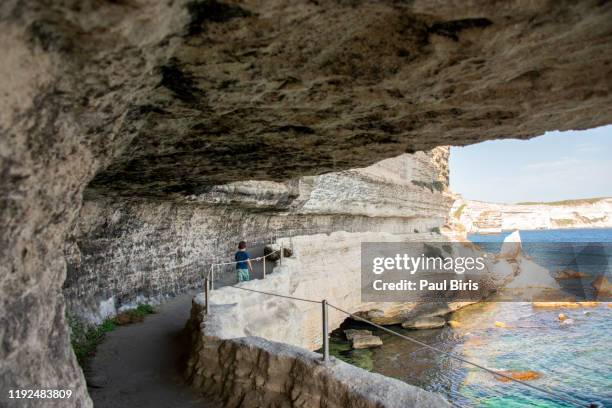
[[241, 245]]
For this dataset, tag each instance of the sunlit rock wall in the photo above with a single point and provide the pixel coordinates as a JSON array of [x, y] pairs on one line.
[[478, 216], [125, 251], [321, 267]]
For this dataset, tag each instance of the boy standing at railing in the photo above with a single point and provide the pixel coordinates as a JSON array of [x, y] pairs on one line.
[[243, 263]]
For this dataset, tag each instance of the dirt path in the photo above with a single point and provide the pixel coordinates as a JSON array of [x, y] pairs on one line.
[[139, 365]]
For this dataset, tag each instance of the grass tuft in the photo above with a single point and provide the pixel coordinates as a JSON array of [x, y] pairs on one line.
[[86, 337], [144, 309], [134, 315]]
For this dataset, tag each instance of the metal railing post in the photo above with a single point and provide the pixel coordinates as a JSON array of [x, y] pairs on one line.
[[212, 278], [206, 295], [325, 331], [281, 253], [263, 260]]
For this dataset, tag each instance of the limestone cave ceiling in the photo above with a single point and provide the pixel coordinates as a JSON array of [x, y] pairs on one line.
[[276, 89]]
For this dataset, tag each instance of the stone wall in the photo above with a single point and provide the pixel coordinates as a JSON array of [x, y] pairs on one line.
[[253, 372]]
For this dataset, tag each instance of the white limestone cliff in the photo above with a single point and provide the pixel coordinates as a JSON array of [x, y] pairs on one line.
[[125, 249], [479, 216]]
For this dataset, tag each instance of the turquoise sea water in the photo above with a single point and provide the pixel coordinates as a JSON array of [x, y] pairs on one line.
[[573, 360]]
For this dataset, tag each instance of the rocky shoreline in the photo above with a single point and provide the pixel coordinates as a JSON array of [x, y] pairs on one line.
[[276, 334]]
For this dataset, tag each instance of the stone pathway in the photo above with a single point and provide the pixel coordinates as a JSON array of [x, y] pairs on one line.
[[139, 365]]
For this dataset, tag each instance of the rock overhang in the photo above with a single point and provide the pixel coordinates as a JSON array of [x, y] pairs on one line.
[[259, 90]]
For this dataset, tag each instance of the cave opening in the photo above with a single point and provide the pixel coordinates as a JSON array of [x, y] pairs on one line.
[[554, 167], [551, 189]]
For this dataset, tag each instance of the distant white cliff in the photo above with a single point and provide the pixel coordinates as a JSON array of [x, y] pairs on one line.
[[479, 216]]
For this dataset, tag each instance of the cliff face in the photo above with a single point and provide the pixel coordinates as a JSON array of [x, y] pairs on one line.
[[121, 250], [478, 216], [159, 100]]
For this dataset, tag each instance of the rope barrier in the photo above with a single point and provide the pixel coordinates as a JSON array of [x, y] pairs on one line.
[[277, 295], [569, 400], [250, 259]]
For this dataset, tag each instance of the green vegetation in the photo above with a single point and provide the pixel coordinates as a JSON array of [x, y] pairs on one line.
[[435, 230], [141, 310], [564, 222], [566, 202], [133, 315], [85, 337], [459, 211], [438, 185]]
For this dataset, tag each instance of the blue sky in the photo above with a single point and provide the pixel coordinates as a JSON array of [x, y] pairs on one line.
[[555, 166]]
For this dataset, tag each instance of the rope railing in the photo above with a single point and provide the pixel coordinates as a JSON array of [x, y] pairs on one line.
[[211, 272], [287, 233], [276, 294], [325, 305], [259, 258]]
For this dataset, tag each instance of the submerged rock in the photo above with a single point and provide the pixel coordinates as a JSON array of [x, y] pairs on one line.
[[365, 342], [424, 323], [570, 274], [552, 305], [362, 339], [352, 333], [454, 324], [519, 375]]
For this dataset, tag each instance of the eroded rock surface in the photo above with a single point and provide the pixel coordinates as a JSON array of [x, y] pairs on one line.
[[159, 99], [273, 90], [122, 251], [424, 323]]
